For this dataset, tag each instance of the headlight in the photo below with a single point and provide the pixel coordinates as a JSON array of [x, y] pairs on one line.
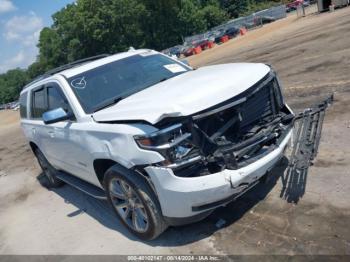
[[171, 142]]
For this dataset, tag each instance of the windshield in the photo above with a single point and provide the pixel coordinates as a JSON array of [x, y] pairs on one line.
[[108, 84]]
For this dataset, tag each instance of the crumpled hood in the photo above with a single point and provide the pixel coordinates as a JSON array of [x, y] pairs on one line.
[[186, 94]]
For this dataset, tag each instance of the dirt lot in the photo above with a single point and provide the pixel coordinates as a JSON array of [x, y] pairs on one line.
[[310, 54], [312, 57]]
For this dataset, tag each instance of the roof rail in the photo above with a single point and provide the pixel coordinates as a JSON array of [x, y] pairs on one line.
[[75, 63], [64, 67]]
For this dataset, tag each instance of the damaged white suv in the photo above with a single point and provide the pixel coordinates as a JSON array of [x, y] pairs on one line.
[[164, 143]]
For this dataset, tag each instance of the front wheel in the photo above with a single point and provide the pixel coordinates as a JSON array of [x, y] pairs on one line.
[[48, 170], [135, 204]]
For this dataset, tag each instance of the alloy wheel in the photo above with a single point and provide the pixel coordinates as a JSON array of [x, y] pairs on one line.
[[128, 205]]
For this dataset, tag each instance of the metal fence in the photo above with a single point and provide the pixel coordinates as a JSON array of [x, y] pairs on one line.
[[251, 21], [277, 12], [195, 38]]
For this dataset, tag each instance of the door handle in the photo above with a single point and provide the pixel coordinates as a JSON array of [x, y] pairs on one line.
[[51, 133], [33, 130]]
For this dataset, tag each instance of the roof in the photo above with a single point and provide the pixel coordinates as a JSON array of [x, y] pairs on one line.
[[91, 65]]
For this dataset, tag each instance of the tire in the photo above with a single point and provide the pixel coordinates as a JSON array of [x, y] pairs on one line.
[[48, 170], [144, 218]]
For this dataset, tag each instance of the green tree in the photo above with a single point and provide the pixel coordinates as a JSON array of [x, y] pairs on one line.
[[90, 27], [235, 7], [50, 47], [189, 18], [11, 84], [213, 15]]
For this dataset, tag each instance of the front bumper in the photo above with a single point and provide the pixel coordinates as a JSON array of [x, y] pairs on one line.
[[186, 197]]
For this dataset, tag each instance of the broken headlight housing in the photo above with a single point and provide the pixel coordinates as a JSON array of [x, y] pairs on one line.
[[171, 142]]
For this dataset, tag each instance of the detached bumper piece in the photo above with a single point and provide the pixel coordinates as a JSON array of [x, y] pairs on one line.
[[304, 147], [308, 128]]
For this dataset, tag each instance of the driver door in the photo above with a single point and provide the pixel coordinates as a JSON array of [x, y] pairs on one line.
[[64, 145]]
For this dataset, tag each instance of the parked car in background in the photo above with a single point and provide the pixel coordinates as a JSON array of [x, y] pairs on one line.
[[232, 32], [10, 105], [14, 105], [293, 5], [195, 47], [163, 143], [204, 44], [211, 37], [250, 25], [176, 50], [306, 3], [188, 50], [218, 35], [267, 19]]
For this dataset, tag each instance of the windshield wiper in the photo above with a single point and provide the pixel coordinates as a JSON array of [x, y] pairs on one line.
[[107, 103]]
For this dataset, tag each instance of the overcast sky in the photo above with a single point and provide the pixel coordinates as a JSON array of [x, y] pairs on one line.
[[20, 25]]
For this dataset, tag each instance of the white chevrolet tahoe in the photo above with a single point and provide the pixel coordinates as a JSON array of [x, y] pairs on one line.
[[163, 143]]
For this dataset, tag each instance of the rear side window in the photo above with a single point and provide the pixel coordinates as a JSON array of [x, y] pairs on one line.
[[23, 105], [39, 105]]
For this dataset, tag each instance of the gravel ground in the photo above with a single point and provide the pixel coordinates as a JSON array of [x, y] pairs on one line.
[[311, 56]]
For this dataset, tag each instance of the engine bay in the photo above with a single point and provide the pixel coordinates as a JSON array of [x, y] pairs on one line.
[[232, 134]]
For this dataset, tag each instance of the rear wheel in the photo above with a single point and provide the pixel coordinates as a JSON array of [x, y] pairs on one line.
[[135, 204], [48, 170]]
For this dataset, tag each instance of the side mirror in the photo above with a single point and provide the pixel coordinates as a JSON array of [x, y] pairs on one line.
[[55, 115]]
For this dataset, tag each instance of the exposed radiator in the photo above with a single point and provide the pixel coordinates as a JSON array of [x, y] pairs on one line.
[[257, 106]]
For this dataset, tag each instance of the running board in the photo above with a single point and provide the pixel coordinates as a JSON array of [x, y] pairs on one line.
[[81, 185]]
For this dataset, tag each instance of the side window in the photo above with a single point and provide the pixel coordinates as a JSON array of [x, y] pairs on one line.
[[56, 98], [23, 105], [38, 104]]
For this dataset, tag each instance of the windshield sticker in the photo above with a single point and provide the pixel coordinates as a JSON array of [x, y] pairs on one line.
[[175, 68], [79, 83]]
